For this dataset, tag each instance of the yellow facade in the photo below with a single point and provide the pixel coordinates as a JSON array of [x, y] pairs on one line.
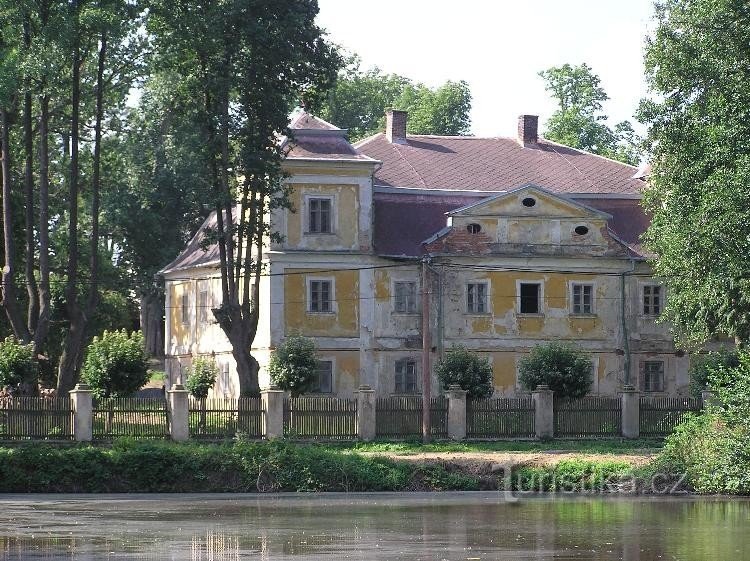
[[342, 321]]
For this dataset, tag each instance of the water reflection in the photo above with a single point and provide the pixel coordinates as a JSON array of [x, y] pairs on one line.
[[418, 526]]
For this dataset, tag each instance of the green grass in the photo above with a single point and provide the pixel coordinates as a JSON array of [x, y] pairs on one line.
[[157, 376]]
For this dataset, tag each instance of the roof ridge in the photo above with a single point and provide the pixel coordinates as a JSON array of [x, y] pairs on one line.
[[586, 152]]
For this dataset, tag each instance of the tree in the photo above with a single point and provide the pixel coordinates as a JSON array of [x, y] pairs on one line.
[[698, 65], [17, 364], [201, 377], [115, 364], [565, 369], [468, 370], [293, 364], [360, 97], [701, 368], [578, 121]]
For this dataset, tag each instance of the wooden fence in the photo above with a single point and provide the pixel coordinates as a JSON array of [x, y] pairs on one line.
[[500, 418], [401, 417], [659, 415], [26, 418], [224, 417], [139, 417], [588, 416], [320, 417]]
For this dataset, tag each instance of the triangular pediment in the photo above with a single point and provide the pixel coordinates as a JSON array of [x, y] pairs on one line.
[[529, 200]]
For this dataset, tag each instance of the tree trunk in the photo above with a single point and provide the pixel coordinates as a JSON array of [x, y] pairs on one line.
[[28, 188], [231, 322], [45, 307], [152, 323]]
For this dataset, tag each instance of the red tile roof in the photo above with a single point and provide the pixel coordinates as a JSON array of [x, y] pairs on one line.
[[495, 164], [314, 138]]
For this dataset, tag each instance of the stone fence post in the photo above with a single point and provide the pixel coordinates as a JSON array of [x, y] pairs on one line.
[[366, 415], [273, 405], [456, 412], [179, 428], [544, 411], [630, 412], [708, 398], [83, 412]]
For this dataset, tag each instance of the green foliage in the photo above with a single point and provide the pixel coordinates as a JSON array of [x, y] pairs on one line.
[[115, 364], [702, 366], [17, 362], [570, 476], [697, 194], [578, 121], [201, 377], [565, 369], [360, 97], [293, 364], [470, 371]]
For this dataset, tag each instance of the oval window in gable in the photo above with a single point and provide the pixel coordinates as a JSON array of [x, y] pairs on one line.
[[581, 230]]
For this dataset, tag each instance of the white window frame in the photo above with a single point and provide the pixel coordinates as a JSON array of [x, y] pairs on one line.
[[663, 375], [406, 360], [571, 294], [308, 294], [306, 216], [519, 282], [394, 284], [203, 307], [487, 300], [332, 361], [185, 306], [642, 301]]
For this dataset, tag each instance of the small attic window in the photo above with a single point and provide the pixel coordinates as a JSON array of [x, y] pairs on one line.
[[528, 202], [474, 228], [581, 230]]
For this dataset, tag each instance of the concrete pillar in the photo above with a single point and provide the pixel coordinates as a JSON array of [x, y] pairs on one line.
[[178, 413], [273, 405], [366, 428], [631, 412], [456, 412], [544, 411], [83, 412]]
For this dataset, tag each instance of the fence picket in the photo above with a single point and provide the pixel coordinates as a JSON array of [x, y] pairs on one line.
[[320, 417], [659, 415], [27, 418], [130, 416], [500, 418], [588, 416]]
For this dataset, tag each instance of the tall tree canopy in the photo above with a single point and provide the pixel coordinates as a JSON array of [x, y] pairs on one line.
[[579, 122], [698, 64], [360, 97]]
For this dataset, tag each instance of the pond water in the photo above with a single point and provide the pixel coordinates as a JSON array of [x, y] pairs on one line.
[[445, 526]]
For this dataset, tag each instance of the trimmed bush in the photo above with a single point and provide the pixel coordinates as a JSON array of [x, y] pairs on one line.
[[566, 369], [470, 371], [293, 364], [115, 364], [201, 377], [17, 363]]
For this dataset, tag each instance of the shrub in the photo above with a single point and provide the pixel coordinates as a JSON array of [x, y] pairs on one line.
[[702, 366], [115, 364], [201, 377], [564, 368], [293, 364], [17, 362], [468, 370]]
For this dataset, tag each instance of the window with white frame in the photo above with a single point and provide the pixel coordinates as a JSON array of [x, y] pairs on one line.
[[529, 297], [203, 306], [319, 215], [476, 298], [405, 297], [185, 311], [323, 377], [320, 296], [652, 299], [225, 378], [406, 376], [653, 376], [582, 298]]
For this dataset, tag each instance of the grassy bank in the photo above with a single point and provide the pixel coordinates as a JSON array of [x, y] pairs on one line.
[[130, 466]]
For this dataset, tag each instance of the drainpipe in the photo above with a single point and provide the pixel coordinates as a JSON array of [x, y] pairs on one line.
[[426, 348], [440, 325], [624, 321]]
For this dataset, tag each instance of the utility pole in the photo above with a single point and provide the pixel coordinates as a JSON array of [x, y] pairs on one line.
[[426, 346]]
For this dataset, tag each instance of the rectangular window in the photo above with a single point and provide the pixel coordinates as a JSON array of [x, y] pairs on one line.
[[529, 297], [319, 211], [476, 298], [653, 376], [405, 297], [185, 303], [323, 378], [406, 376], [203, 307], [652, 300], [583, 299], [321, 296]]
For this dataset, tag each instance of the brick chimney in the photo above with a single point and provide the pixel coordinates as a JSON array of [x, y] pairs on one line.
[[528, 129], [395, 126]]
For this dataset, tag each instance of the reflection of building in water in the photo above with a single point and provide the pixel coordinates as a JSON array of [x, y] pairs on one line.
[[215, 546]]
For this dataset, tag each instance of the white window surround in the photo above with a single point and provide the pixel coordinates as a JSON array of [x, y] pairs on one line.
[[394, 284], [185, 307], [305, 222], [541, 311], [571, 299], [308, 294], [487, 299]]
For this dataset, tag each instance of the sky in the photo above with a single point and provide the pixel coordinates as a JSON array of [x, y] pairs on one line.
[[498, 47]]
